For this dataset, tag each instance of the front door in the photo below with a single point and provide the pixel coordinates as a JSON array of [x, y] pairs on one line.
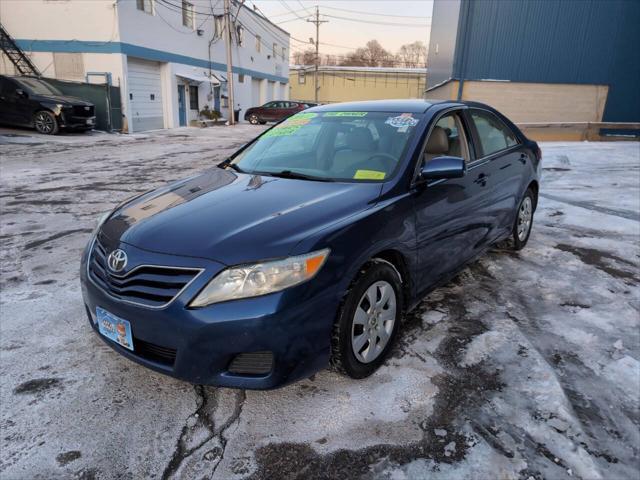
[[450, 224], [182, 106]]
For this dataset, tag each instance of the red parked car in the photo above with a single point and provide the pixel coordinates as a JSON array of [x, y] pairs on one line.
[[273, 111]]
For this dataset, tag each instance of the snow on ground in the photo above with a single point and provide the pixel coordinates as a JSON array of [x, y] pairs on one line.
[[524, 366]]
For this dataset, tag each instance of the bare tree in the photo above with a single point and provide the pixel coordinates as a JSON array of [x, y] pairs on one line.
[[413, 55], [308, 57]]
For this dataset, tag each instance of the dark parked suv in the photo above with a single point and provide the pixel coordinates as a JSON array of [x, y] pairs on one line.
[[273, 111], [32, 102]]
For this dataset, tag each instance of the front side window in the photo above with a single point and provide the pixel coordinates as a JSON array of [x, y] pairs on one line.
[[334, 146], [493, 133], [145, 6], [447, 139], [187, 14]]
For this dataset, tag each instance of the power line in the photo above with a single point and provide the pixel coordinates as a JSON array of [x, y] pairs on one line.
[[375, 22], [372, 13], [291, 10], [305, 8], [178, 8]]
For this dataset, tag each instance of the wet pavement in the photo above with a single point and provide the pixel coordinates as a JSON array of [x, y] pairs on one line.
[[526, 365]]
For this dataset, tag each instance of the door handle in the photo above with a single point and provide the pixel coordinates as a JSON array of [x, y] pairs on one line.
[[523, 158], [482, 179]]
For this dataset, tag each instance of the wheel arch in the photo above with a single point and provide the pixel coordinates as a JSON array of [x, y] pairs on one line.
[[535, 188], [400, 265]]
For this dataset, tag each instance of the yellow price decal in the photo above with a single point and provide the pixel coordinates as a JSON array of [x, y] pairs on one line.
[[369, 175]]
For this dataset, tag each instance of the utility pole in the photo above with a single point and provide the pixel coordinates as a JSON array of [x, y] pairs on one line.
[[317, 22], [228, 43]]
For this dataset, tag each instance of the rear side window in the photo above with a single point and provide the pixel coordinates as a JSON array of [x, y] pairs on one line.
[[494, 135]]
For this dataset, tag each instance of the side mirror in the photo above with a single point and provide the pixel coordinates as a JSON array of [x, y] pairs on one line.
[[443, 167], [21, 93]]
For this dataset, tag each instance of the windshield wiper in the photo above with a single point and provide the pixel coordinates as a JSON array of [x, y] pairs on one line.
[[296, 175], [227, 164]]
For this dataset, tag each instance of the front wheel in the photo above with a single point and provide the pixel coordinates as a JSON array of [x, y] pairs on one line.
[[253, 119], [524, 221], [368, 321], [46, 122]]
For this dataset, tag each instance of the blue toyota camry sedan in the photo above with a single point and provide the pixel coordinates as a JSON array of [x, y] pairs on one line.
[[305, 248]]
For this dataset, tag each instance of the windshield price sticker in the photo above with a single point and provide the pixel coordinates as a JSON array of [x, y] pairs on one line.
[[282, 131], [403, 121], [345, 114], [304, 116], [369, 175]]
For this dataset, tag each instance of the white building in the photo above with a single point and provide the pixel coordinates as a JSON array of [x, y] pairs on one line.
[[168, 56]]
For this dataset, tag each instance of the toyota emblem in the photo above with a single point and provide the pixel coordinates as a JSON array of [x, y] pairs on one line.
[[117, 260]]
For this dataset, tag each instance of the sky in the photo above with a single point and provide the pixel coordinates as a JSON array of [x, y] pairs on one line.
[[412, 19]]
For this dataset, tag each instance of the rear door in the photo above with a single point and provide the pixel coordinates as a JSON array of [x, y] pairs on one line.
[[14, 109], [451, 218], [504, 159]]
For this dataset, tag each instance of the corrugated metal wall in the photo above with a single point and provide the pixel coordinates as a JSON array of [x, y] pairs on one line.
[[555, 41]]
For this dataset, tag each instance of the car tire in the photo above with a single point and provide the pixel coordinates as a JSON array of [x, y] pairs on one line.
[[523, 222], [253, 119], [353, 352], [263, 123], [46, 122]]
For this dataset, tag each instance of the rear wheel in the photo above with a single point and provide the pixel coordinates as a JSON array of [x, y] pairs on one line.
[[368, 321], [524, 221], [253, 119], [46, 122]]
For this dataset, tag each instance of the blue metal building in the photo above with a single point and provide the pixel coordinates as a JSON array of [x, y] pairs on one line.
[[541, 41]]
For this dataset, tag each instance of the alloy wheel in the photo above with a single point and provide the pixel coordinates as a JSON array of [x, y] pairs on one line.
[[44, 123], [525, 215], [373, 321]]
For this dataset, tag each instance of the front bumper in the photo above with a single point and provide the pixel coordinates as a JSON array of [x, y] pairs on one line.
[[294, 325], [72, 121]]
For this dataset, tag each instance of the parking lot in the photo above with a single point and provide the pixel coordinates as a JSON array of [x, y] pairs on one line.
[[525, 366]]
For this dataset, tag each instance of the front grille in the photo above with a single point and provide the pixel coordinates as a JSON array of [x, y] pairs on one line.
[[255, 363], [149, 285], [82, 111], [155, 353]]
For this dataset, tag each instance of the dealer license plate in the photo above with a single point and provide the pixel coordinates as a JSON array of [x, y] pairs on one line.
[[114, 328]]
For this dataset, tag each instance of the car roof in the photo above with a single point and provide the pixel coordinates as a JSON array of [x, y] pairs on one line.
[[405, 106]]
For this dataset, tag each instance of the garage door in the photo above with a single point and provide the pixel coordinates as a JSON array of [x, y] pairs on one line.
[[145, 95]]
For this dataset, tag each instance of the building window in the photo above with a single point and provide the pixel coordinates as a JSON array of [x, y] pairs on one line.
[[302, 79], [258, 43], [241, 78], [187, 14], [275, 48], [69, 66], [240, 34], [193, 97], [284, 53], [218, 26], [145, 6]]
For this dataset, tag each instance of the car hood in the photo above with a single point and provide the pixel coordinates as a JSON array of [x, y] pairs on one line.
[[63, 99], [234, 218]]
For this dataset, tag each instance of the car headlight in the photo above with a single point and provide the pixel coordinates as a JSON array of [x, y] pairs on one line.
[[246, 281], [101, 220]]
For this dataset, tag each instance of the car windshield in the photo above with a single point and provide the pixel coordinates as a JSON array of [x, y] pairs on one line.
[[340, 146], [38, 86]]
